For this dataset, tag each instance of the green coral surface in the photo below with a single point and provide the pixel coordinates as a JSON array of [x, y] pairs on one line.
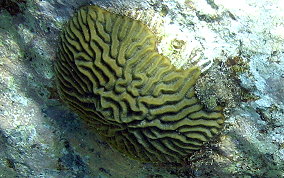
[[110, 73]]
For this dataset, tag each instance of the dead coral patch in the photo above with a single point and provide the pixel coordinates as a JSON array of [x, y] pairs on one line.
[[221, 85]]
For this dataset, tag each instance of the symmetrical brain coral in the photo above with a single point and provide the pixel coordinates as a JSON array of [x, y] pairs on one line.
[[110, 73]]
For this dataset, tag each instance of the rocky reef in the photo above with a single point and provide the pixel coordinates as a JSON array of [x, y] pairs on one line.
[[238, 47]]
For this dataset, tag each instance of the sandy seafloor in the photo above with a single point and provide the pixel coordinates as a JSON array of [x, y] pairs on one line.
[[40, 137]]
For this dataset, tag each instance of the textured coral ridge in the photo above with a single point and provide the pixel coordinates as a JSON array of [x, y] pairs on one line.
[[109, 71]]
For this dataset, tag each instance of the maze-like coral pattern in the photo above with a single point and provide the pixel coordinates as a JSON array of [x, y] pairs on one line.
[[109, 71]]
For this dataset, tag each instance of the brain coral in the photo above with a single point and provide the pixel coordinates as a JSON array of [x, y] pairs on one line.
[[110, 73]]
